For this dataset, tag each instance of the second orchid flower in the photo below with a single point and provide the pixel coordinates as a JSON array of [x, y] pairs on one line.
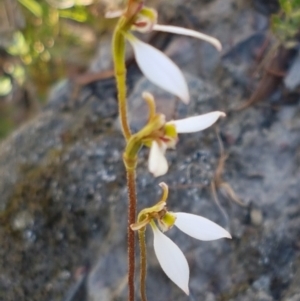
[[157, 163]]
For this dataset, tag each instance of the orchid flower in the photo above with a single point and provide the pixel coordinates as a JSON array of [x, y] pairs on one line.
[[170, 257], [160, 135], [154, 64], [157, 162]]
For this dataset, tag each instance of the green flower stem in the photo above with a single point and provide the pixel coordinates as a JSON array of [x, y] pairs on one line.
[[120, 74], [143, 264]]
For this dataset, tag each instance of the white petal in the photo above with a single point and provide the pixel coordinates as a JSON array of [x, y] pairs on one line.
[[188, 32], [196, 123], [171, 260], [199, 227], [157, 162], [159, 69]]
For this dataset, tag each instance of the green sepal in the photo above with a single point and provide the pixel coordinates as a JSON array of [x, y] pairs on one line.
[[152, 211]]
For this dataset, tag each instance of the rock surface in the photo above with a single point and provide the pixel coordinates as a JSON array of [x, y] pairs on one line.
[[63, 195]]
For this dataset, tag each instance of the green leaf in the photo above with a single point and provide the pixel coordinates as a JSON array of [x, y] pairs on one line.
[[19, 74], [79, 16], [5, 85], [19, 45], [286, 6], [295, 16], [296, 4], [33, 6], [275, 22]]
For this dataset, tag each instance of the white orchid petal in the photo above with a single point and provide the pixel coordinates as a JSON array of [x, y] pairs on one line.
[[199, 227], [157, 163], [171, 260], [188, 32], [159, 69], [196, 123]]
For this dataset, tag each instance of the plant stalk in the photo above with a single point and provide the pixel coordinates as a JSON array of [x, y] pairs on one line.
[[120, 74], [143, 264], [131, 184]]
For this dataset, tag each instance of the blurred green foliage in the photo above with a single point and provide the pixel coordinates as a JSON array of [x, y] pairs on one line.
[[42, 41], [286, 24], [58, 37], [50, 36]]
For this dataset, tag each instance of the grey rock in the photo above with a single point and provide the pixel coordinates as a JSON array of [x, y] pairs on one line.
[[292, 79], [65, 169]]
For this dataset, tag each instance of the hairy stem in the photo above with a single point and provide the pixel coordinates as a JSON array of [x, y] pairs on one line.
[[131, 237], [143, 263], [130, 164], [120, 74]]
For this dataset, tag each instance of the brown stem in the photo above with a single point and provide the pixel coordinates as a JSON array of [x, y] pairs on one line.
[[131, 236], [143, 264]]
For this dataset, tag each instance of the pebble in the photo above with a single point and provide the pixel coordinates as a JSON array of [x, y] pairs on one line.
[[256, 217], [22, 220]]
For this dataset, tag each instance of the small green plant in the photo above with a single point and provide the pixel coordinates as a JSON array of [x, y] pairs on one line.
[[42, 42], [286, 24], [54, 34]]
